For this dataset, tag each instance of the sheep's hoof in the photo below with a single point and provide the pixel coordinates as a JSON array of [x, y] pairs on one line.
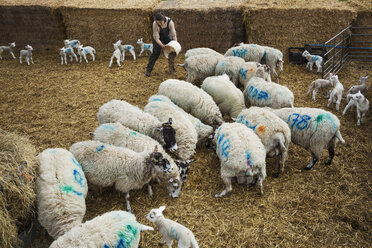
[[309, 166], [329, 162]]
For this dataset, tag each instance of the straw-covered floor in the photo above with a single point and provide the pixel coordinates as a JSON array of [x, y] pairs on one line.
[[326, 207]]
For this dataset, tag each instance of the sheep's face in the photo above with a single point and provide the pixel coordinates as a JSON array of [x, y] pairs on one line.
[[363, 79], [160, 162], [183, 168], [174, 187], [169, 135], [358, 96], [140, 41], [333, 78], [305, 53], [66, 42], [28, 47], [155, 214], [12, 44]]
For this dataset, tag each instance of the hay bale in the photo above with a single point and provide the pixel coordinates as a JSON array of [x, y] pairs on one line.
[[17, 193]]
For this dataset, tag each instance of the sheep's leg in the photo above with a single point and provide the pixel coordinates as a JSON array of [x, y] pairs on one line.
[[227, 181], [311, 66], [279, 163], [133, 54], [331, 150], [338, 102], [347, 107], [363, 115], [85, 57], [93, 58], [65, 57], [112, 58], [20, 59], [358, 115], [319, 66], [312, 162], [11, 53], [149, 189], [28, 60], [126, 196], [61, 60], [118, 61], [32, 61], [314, 94], [260, 185], [140, 53], [169, 243], [330, 99]]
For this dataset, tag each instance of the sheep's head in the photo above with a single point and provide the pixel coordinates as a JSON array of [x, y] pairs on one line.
[[160, 162], [279, 64], [28, 47], [169, 135], [363, 79], [66, 42], [305, 53], [140, 41], [155, 214], [12, 44], [358, 96], [118, 42]]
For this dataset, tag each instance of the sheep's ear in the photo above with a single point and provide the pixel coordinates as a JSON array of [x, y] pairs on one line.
[[162, 208], [145, 228]]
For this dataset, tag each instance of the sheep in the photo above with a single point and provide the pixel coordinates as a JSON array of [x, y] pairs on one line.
[[124, 48], [259, 92], [336, 92], [134, 118], [83, 51], [230, 100], [71, 43], [193, 100], [273, 132], [61, 189], [8, 49], [105, 165], [318, 60], [27, 53], [144, 47], [241, 154], [70, 51], [171, 230], [250, 69], [199, 67], [314, 129], [202, 129], [111, 229], [361, 103], [200, 50], [118, 135], [362, 87], [321, 83], [116, 54], [273, 58], [231, 66]]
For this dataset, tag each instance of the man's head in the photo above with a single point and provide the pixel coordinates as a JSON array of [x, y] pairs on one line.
[[159, 18]]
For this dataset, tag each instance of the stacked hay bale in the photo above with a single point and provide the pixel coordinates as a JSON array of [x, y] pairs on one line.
[[17, 187]]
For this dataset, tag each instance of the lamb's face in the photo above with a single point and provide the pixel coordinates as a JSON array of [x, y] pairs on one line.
[[12, 44], [174, 187], [140, 41], [155, 214], [358, 96], [305, 53]]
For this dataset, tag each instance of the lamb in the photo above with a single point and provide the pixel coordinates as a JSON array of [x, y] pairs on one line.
[[61, 189], [361, 103], [71, 43], [199, 67], [321, 83], [83, 51], [112, 229], [200, 50], [274, 133], [8, 49], [134, 118], [230, 100], [193, 100], [124, 48], [336, 92], [259, 92], [105, 165], [314, 129], [250, 69], [144, 46], [362, 87], [171, 230], [116, 54], [241, 154], [231, 66], [118, 135], [27, 53], [64, 51], [186, 136], [318, 60]]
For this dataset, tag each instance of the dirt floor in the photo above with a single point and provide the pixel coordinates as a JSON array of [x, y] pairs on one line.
[[326, 207]]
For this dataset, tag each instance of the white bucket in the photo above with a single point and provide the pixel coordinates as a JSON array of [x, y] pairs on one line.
[[172, 46]]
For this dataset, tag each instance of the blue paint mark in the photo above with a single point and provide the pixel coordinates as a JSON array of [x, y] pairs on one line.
[[253, 45], [78, 178], [73, 44], [240, 52], [314, 58], [53, 151], [86, 50], [243, 73], [100, 148], [76, 162], [68, 50], [248, 158], [120, 244], [300, 121], [105, 246], [173, 234], [199, 124], [321, 117], [129, 48], [263, 95], [259, 95], [68, 188], [146, 46], [223, 144], [223, 63], [241, 120], [132, 133], [156, 100], [108, 127]]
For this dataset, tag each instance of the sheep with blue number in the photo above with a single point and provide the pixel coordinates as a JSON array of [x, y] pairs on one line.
[[241, 155], [193, 100], [314, 129], [230, 66], [273, 132], [83, 51], [253, 69], [111, 229], [200, 50], [105, 165], [61, 189], [134, 118]]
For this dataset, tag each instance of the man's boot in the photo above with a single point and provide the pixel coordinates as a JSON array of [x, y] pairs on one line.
[[171, 58]]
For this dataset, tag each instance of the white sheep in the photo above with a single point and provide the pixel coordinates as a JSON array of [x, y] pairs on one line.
[[230, 100], [202, 129], [118, 135], [83, 51], [321, 83], [318, 60], [259, 92], [336, 92], [105, 165], [186, 136], [253, 69], [67, 50], [111, 229], [361, 103], [124, 49], [199, 67], [27, 53], [116, 54], [314, 129], [61, 189], [273, 58], [231, 66], [200, 50], [71, 43], [144, 47], [134, 118], [193, 100], [241, 154], [171, 230], [8, 49], [273, 132], [362, 87]]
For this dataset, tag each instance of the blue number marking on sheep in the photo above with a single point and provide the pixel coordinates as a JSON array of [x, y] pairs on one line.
[[76, 162], [68, 50], [240, 52], [223, 145], [248, 158], [105, 246], [243, 73], [108, 127], [73, 44], [100, 148], [263, 95], [259, 95], [173, 233], [68, 188], [78, 178], [300, 124], [241, 120], [127, 236], [314, 58]]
